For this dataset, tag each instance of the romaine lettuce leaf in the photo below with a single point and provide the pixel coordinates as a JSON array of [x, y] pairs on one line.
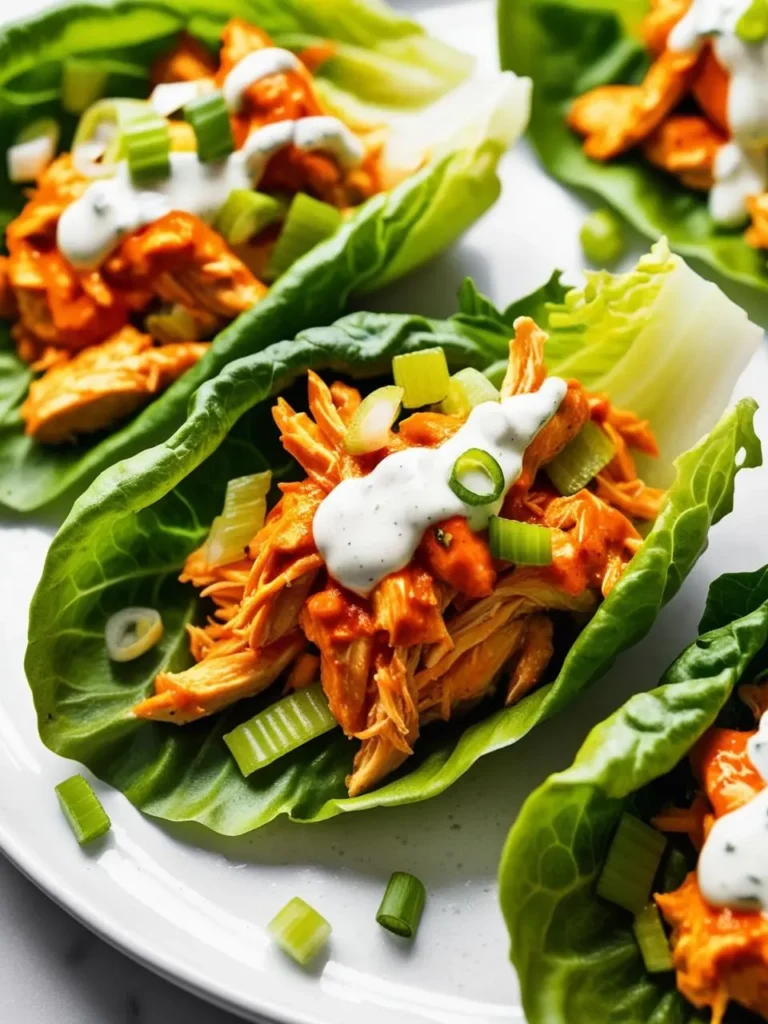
[[571, 46], [126, 538], [390, 235], [575, 954]]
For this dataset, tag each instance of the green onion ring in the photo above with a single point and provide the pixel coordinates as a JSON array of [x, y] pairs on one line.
[[476, 459]]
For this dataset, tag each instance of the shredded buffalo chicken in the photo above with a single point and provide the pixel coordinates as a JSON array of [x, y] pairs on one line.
[[176, 282], [720, 955], [432, 640], [616, 118]]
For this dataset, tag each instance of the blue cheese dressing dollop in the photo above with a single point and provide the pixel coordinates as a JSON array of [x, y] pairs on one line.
[[733, 864], [369, 527], [741, 166]]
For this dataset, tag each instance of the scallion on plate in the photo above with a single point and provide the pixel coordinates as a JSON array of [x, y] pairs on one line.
[[147, 145], [82, 809], [209, 117], [402, 905], [299, 930], [652, 940], [368, 430]]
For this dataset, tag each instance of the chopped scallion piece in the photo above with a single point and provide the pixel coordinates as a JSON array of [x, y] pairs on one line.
[[132, 632], [98, 142], [82, 809], [473, 468], [423, 376], [147, 145], [368, 430], [245, 509], [752, 26], [246, 213], [309, 222], [402, 905], [466, 389], [82, 83], [652, 940], [521, 543], [209, 116], [631, 865], [169, 97], [602, 238], [280, 728], [299, 930], [581, 459]]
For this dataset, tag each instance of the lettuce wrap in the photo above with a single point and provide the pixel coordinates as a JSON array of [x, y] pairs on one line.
[[379, 67], [570, 47], [576, 955], [128, 536]]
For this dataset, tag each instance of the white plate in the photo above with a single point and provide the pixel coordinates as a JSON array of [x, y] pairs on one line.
[[194, 907]]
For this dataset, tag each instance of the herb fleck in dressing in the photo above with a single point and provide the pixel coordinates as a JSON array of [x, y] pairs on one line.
[[741, 167], [369, 527], [733, 864]]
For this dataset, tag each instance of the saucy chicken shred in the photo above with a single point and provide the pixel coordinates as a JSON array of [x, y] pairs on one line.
[[448, 630]]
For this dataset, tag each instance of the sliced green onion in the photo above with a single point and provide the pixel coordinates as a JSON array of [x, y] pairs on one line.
[[466, 389], [245, 509], [246, 213], [581, 459], [752, 26], [147, 148], [496, 372], [82, 809], [402, 905], [602, 238], [209, 116], [521, 543], [368, 430], [309, 222], [280, 728], [299, 930], [631, 865], [423, 376], [83, 82], [34, 148], [132, 632], [98, 142], [471, 468], [652, 940], [174, 323]]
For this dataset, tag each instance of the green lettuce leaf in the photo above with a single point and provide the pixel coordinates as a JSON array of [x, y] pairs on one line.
[[126, 539], [645, 337], [385, 238], [571, 46], [575, 954]]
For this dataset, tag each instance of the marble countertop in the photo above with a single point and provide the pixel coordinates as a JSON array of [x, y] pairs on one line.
[[53, 969]]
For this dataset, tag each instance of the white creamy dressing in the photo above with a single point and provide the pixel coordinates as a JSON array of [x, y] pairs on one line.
[[257, 65], [110, 209], [741, 168], [733, 864], [369, 527]]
